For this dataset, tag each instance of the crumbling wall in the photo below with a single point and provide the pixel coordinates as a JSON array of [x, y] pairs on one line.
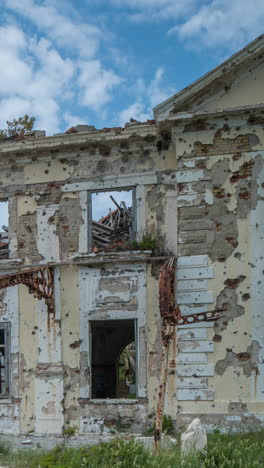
[[201, 202], [114, 292], [220, 207], [52, 390], [71, 357]]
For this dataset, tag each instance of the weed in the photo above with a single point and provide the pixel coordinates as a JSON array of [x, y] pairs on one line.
[[69, 432], [148, 242], [167, 427]]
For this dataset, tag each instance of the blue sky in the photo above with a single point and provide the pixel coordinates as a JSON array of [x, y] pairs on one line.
[[101, 62]]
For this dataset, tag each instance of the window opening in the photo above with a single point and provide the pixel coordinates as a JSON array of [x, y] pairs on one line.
[[4, 359], [113, 359], [112, 220], [4, 250]]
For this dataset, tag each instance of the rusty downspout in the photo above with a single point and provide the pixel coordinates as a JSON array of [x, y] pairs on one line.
[[167, 331], [167, 311]]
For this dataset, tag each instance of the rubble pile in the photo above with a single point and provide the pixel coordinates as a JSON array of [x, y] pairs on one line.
[[4, 242], [113, 229]]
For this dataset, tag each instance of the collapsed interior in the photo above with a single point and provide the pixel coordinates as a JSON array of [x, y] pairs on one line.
[[112, 224], [113, 359]]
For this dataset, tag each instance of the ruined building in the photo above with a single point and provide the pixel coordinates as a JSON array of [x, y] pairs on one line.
[[79, 310]]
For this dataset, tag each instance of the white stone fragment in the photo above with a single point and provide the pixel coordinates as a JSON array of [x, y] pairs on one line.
[[26, 442], [194, 438]]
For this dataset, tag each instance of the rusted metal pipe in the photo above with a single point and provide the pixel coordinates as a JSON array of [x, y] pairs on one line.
[[166, 332]]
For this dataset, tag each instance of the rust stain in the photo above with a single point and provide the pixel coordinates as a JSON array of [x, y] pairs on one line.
[[49, 408]]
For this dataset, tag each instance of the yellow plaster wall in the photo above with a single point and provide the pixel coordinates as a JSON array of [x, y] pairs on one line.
[[233, 385], [25, 205], [28, 357], [153, 340], [248, 90], [40, 172], [70, 333]]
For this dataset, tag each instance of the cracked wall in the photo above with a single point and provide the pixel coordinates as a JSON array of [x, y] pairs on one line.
[[200, 193], [51, 390], [220, 213]]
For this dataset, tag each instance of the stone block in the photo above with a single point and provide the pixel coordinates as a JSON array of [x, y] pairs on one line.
[[194, 439]]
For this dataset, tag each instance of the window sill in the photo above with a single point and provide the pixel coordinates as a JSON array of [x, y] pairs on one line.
[[120, 253], [8, 261], [111, 401], [110, 257], [8, 400]]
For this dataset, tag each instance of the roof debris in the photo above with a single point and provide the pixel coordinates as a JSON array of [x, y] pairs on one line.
[[112, 230], [4, 250], [91, 128]]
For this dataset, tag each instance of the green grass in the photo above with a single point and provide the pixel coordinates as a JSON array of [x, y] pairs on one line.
[[224, 451]]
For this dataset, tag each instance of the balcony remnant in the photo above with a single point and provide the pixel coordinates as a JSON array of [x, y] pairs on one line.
[[40, 283]]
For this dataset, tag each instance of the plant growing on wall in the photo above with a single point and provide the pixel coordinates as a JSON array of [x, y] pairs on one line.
[[17, 127], [148, 242]]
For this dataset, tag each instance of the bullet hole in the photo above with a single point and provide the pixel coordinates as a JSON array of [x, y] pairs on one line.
[[237, 255], [217, 338], [234, 282], [245, 297]]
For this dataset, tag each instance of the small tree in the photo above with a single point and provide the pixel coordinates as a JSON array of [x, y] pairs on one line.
[[17, 127]]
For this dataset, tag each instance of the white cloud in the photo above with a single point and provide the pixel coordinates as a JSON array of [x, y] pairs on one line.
[[83, 37], [39, 75], [156, 92], [12, 37], [224, 22], [13, 107], [73, 120], [136, 111], [155, 9], [148, 96], [207, 23], [33, 75], [96, 84]]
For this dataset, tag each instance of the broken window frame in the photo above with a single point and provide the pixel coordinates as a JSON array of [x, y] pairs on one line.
[[6, 327], [5, 200], [136, 339], [133, 230]]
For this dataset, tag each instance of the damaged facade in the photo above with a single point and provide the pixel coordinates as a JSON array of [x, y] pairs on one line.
[[196, 177]]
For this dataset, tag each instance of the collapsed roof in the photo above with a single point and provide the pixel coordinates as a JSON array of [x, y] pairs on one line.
[[113, 228]]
